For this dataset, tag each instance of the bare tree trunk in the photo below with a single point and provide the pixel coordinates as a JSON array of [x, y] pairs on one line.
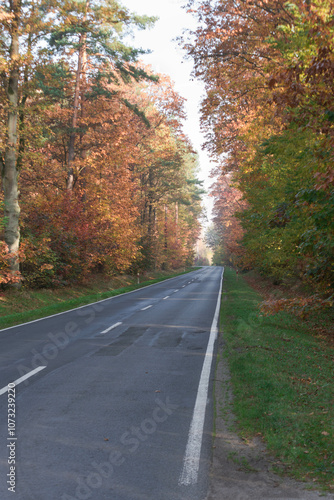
[[70, 172], [151, 219], [9, 170], [150, 201], [166, 227], [83, 151], [21, 116], [81, 66], [176, 221]]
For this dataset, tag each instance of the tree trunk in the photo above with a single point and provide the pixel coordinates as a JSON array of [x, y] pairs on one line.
[[70, 171], [9, 172], [21, 116], [166, 227], [176, 222], [82, 61], [150, 218]]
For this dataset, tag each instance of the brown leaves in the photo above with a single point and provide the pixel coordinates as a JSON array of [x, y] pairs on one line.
[[324, 180], [300, 306], [272, 82]]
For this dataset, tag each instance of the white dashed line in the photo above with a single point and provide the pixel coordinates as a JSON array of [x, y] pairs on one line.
[[77, 308], [183, 286], [147, 307], [167, 297], [111, 327], [22, 379], [176, 291]]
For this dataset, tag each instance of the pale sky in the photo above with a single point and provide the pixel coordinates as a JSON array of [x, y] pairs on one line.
[[168, 58]]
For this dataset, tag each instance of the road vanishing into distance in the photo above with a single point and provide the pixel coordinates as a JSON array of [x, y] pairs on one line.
[[112, 401]]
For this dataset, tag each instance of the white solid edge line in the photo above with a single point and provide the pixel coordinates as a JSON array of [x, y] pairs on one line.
[[189, 474], [22, 379], [91, 303], [111, 327], [147, 307]]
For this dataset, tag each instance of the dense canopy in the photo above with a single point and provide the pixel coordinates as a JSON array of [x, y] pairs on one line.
[[268, 116], [97, 174]]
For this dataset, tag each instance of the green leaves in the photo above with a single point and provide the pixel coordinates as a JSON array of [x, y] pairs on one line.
[[137, 112], [52, 80]]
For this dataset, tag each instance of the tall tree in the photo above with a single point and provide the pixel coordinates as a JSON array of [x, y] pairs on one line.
[[268, 114], [9, 161], [93, 31], [21, 25], [26, 68]]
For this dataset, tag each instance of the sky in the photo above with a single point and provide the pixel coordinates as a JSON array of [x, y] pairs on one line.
[[168, 58]]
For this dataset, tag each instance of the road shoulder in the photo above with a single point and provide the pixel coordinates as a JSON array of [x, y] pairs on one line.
[[241, 469]]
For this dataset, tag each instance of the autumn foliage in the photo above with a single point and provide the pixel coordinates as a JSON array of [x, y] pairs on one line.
[[107, 178], [268, 115]]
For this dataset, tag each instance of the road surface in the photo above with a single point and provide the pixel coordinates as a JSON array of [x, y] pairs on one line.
[[112, 400]]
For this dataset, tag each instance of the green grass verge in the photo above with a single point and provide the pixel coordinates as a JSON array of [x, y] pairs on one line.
[[282, 379], [58, 300]]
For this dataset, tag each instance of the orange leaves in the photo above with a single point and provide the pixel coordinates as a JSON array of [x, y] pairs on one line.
[[228, 201], [268, 71], [232, 57], [120, 167], [83, 235], [47, 267], [300, 306], [87, 126], [4, 16], [6, 275]]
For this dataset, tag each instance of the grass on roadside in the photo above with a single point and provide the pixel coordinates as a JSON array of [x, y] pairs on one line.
[[282, 378], [21, 306]]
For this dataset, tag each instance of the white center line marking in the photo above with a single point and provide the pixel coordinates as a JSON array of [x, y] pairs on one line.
[[189, 474], [183, 286], [22, 379], [111, 327], [147, 307], [176, 291], [167, 297]]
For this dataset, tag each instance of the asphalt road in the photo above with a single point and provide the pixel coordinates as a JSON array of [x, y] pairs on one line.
[[115, 403]]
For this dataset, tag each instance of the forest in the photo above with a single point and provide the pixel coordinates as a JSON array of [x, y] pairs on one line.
[[268, 119], [97, 173]]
